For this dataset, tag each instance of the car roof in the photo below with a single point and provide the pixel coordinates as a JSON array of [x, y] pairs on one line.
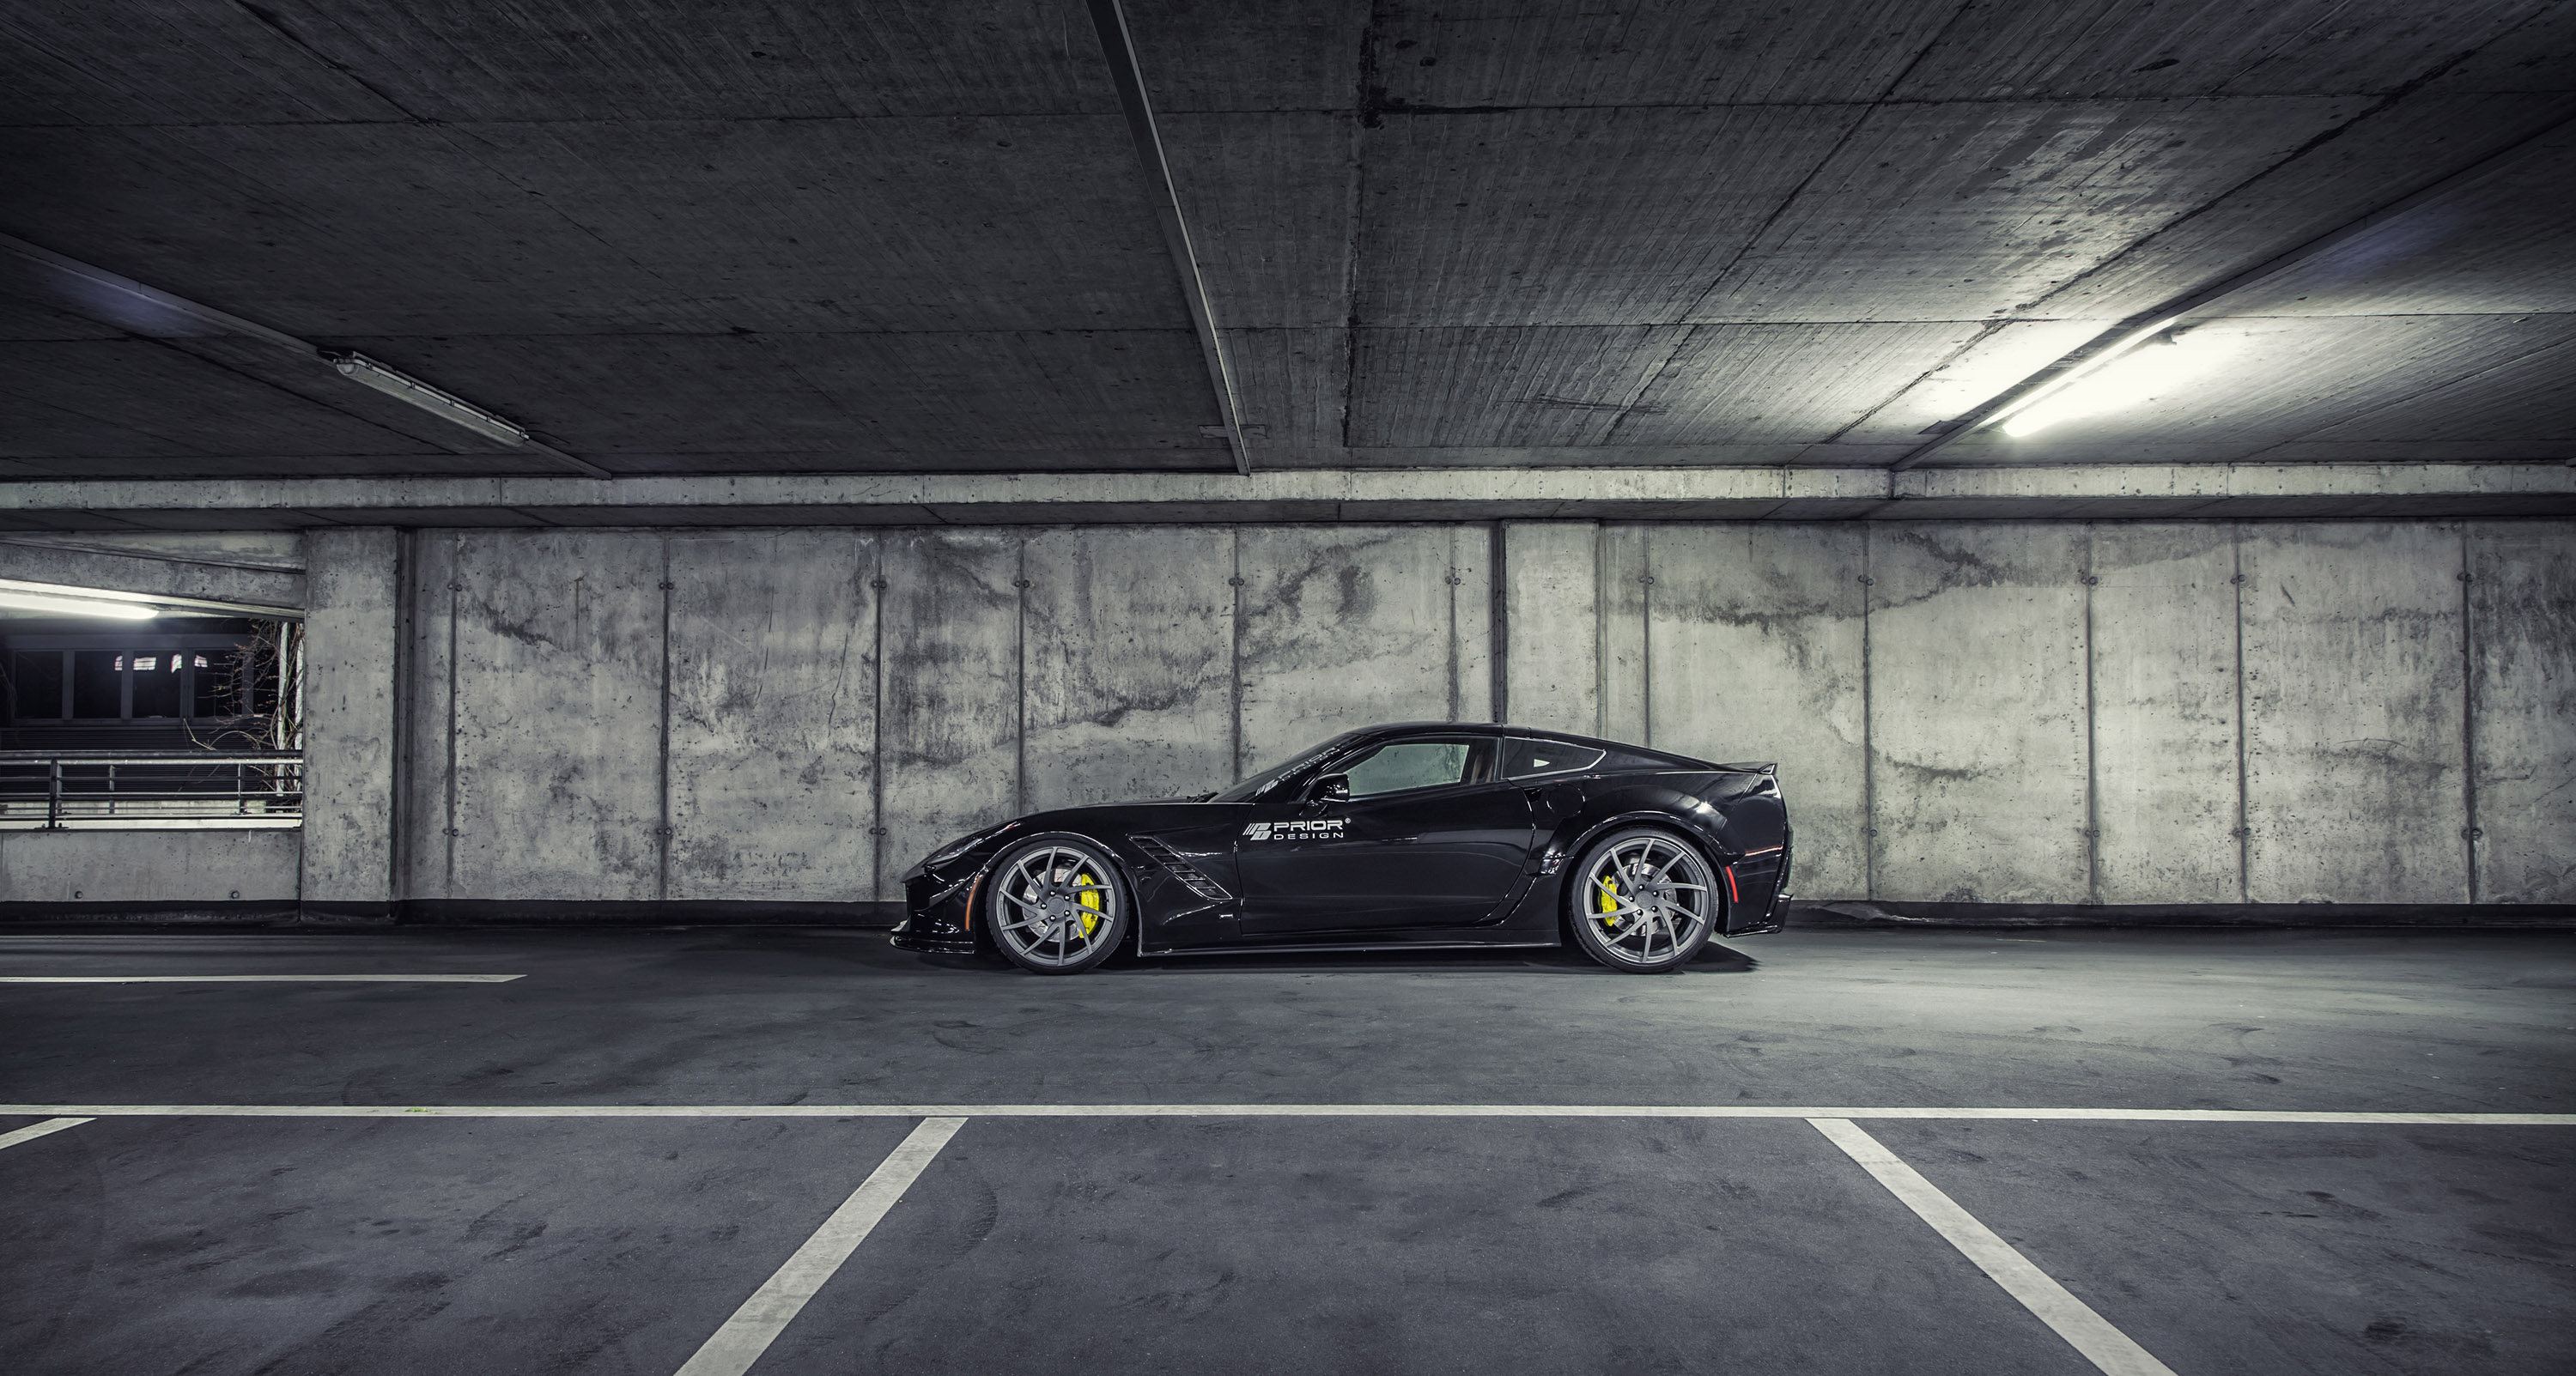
[[1480, 728]]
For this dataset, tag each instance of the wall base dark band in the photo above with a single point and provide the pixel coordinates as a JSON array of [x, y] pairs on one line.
[[2447, 915], [453, 912]]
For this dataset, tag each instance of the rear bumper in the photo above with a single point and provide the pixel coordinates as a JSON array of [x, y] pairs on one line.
[[1763, 885]]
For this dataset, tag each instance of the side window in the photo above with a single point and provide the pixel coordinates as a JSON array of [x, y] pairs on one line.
[[1400, 766], [1530, 759]]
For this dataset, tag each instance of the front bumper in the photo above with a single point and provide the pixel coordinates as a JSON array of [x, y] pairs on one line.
[[938, 915], [929, 945]]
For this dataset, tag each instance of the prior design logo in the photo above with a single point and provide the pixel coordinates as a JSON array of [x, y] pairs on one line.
[[1329, 829]]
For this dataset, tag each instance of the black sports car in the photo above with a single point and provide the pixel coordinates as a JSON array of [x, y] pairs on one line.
[[1422, 834]]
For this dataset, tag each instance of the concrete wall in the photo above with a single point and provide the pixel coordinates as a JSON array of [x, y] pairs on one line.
[[1967, 712], [2121, 713], [798, 715], [176, 867], [2116, 713]]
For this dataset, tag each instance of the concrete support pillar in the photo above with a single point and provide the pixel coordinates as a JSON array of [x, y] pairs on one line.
[[350, 630]]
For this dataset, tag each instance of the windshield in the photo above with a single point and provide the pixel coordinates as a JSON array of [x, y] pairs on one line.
[[1260, 783]]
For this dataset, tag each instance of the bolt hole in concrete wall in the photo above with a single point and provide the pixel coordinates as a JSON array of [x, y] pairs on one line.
[[1965, 712]]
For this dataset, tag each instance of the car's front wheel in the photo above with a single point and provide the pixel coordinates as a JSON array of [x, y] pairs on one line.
[[1056, 905], [1643, 900]]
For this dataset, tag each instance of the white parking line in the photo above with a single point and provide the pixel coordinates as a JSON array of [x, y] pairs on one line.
[[258, 979], [35, 1130], [776, 1303], [2072, 1319], [2035, 1115]]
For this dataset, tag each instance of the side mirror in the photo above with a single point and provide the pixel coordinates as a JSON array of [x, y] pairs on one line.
[[1331, 788]]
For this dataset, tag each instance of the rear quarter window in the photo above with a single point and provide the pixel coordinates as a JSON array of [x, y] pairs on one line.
[[1534, 759], [1538, 759]]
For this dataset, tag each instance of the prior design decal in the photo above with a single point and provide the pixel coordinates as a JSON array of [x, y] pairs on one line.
[[1329, 829]]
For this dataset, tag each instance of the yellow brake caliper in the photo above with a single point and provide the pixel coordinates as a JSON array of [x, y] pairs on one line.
[[1090, 899], [1609, 902]]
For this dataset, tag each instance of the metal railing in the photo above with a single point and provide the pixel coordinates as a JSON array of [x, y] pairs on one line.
[[57, 789]]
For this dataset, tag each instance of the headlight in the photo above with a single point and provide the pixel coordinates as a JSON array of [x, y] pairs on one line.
[[954, 849]]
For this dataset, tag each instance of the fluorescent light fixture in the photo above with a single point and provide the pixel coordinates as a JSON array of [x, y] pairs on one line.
[[403, 387], [2150, 371], [76, 606]]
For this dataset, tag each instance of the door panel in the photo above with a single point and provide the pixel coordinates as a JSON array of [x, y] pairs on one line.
[[1438, 857]]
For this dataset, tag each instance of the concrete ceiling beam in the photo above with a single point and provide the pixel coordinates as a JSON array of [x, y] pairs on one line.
[[2099, 491], [1116, 44]]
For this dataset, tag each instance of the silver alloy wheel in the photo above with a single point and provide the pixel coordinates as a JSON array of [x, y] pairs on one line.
[[1647, 898], [1055, 907]]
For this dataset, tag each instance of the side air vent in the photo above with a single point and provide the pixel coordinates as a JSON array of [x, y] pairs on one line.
[[1166, 858]]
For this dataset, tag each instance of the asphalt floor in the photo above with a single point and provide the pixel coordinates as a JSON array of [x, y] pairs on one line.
[[366, 1176]]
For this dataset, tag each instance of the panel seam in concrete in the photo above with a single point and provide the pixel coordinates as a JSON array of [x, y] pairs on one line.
[[662, 745], [2468, 712], [2244, 815], [455, 597], [1020, 676], [2092, 751], [876, 727], [1868, 739]]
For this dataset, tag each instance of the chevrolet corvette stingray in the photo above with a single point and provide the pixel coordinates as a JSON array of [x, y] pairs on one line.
[[1403, 836]]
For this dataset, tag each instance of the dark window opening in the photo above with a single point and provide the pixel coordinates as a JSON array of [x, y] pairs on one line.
[[36, 684], [98, 684], [181, 683]]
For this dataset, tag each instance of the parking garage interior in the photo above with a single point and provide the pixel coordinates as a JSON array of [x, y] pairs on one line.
[[522, 526]]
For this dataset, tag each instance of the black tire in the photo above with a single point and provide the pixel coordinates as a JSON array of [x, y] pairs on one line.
[[1642, 900], [1056, 905]]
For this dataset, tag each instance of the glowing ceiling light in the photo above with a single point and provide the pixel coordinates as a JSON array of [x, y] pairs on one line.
[[2146, 373], [76, 606], [403, 386]]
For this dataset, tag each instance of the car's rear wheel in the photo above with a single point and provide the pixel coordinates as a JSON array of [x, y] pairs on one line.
[[1055, 905], [1643, 900]]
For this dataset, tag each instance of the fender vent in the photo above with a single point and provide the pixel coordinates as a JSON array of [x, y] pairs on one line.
[[1165, 858]]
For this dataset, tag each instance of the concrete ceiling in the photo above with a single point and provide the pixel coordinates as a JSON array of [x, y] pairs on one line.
[[797, 237]]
